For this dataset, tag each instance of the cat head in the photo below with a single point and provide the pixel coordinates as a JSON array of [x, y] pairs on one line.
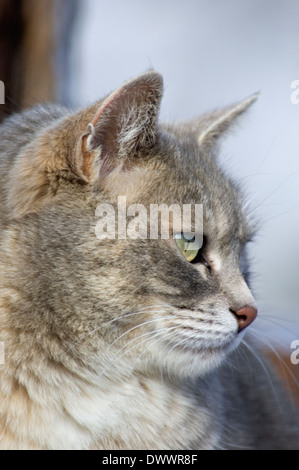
[[126, 302]]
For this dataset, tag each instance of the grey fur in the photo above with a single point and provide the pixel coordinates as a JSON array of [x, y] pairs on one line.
[[122, 343]]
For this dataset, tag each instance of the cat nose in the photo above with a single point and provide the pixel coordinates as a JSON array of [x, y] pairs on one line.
[[245, 316]]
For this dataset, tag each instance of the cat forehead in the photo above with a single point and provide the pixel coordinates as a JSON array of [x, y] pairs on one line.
[[194, 176], [185, 176]]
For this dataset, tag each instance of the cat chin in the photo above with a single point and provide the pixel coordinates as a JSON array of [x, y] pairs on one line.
[[190, 363]]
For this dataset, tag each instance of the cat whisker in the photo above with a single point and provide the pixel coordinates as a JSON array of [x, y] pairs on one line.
[[154, 320], [279, 322], [143, 310], [266, 220], [157, 334], [177, 344], [270, 338], [262, 202], [264, 367], [130, 330], [138, 343], [282, 362]]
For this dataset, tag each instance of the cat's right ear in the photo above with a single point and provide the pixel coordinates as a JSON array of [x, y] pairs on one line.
[[124, 124], [89, 144]]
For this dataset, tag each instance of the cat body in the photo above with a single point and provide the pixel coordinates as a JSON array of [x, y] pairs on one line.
[[121, 343]]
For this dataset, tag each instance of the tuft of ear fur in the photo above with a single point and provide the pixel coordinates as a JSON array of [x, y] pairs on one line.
[[124, 124], [211, 126]]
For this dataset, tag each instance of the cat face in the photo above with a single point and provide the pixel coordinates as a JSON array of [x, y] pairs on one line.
[[184, 315], [119, 304]]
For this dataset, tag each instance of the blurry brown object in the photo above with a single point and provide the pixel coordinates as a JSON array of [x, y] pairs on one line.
[[31, 32], [37, 52], [10, 41], [288, 372]]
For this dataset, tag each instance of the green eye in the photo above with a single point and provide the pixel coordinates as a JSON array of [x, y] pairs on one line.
[[187, 246]]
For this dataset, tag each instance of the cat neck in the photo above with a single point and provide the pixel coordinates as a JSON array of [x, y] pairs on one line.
[[81, 414]]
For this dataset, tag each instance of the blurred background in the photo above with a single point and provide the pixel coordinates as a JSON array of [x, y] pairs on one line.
[[210, 54]]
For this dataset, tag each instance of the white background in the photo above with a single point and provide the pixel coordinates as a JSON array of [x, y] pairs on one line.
[[213, 53]]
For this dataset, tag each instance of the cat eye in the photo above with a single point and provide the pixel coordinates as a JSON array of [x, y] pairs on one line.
[[188, 246]]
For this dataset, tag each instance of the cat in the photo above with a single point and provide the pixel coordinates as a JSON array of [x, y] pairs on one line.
[[126, 343]]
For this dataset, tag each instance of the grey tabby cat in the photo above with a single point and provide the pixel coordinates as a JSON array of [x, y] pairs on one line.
[[127, 343]]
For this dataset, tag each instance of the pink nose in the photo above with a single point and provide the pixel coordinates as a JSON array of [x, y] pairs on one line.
[[245, 316]]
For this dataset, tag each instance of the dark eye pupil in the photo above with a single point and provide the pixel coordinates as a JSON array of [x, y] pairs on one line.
[[200, 257]]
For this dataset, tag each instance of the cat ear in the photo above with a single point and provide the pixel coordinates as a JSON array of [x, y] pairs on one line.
[[212, 126], [124, 124]]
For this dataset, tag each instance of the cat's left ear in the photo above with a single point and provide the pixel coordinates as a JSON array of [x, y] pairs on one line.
[[212, 126], [124, 124]]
